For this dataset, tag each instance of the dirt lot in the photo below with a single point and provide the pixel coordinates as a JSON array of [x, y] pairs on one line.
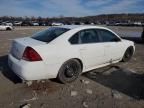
[[117, 86]]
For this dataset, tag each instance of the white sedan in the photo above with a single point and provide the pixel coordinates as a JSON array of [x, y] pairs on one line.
[[6, 27], [67, 51]]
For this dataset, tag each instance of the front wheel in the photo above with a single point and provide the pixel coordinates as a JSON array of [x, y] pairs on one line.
[[128, 54], [69, 71]]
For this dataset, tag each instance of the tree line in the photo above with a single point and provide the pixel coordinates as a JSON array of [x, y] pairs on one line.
[[98, 19]]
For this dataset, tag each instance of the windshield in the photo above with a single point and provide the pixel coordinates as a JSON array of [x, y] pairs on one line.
[[49, 34]]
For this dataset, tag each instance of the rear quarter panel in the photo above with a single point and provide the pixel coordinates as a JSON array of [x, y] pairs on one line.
[[56, 55]]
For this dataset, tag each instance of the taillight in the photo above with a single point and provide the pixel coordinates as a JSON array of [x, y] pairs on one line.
[[31, 55]]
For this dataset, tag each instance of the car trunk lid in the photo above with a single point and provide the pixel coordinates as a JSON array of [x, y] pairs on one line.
[[19, 45]]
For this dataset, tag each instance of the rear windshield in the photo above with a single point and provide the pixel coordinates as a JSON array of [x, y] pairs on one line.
[[49, 34]]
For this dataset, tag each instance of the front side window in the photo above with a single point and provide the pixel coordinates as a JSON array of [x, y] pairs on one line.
[[107, 36], [49, 34]]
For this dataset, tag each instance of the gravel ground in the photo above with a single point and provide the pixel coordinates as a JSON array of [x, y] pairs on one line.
[[117, 86]]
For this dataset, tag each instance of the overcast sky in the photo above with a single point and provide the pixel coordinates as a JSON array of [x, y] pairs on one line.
[[53, 8]]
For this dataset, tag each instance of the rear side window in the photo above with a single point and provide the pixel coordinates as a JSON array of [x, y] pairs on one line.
[[85, 36], [107, 36], [89, 36], [74, 39], [49, 34]]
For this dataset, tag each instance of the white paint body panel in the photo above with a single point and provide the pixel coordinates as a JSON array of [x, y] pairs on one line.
[[55, 53]]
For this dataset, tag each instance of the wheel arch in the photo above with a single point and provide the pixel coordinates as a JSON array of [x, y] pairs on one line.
[[131, 49], [126, 48], [80, 61], [59, 77], [75, 58], [8, 28]]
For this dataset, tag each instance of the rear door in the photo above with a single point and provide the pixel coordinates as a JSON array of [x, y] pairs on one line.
[[90, 48], [112, 45]]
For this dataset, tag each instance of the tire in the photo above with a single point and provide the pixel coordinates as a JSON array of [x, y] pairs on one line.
[[8, 29], [128, 54], [142, 36], [69, 71]]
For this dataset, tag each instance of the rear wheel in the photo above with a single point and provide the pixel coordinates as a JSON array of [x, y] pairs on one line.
[[128, 54], [69, 71]]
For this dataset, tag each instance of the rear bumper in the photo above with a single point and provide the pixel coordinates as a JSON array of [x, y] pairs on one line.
[[30, 70]]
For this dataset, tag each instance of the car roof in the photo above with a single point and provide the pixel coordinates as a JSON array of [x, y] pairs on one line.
[[71, 26], [80, 26]]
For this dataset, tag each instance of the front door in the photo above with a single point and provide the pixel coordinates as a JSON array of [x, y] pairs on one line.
[[112, 45]]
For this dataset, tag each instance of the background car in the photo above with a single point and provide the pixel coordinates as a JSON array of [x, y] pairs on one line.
[[7, 23], [35, 24], [17, 23], [66, 52], [6, 27], [57, 24]]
